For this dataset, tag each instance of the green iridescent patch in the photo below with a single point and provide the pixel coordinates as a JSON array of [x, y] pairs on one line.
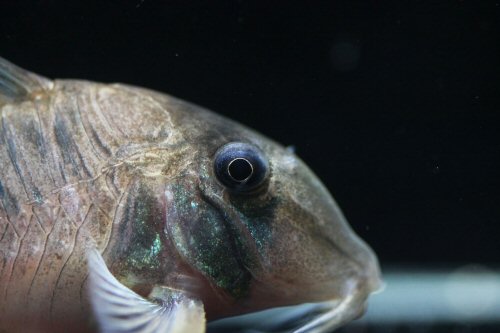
[[200, 234], [145, 223]]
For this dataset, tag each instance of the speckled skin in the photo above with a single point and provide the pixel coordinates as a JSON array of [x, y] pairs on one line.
[[130, 171]]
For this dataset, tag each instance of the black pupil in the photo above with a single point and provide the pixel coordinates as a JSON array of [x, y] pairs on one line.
[[240, 169]]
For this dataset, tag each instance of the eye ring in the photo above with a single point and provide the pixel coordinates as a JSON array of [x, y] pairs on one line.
[[241, 167]]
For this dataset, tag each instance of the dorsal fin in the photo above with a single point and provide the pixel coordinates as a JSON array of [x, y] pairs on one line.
[[17, 84]]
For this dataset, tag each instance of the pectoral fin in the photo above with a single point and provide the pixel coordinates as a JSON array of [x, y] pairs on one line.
[[120, 310]]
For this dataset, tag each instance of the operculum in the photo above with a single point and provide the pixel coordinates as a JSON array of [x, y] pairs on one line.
[[199, 232], [139, 252]]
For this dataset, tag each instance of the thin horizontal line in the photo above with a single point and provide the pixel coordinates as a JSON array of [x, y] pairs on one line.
[[436, 297]]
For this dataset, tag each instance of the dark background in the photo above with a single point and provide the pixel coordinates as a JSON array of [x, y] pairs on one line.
[[394, 104]]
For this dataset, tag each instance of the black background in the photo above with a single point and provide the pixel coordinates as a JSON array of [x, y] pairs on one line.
[[394, 104]]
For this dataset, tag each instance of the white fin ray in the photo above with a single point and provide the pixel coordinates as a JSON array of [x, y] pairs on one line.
[[120, 310]]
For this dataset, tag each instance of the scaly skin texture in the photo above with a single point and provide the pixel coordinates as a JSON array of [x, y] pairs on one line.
[[130, 171]]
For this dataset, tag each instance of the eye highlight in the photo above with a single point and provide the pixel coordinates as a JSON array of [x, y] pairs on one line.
[[240, 167]]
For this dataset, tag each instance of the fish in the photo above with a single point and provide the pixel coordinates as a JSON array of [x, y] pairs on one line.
[[123, 209]]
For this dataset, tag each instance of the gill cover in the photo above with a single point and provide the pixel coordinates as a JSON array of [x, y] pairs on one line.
[[203, 238]]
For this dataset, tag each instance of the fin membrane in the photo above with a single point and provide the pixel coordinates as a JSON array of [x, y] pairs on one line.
[[120, 310], [16, 84]]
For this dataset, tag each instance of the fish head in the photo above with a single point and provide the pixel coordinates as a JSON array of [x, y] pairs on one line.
[[307, 251], [260, 226], [231, 217]]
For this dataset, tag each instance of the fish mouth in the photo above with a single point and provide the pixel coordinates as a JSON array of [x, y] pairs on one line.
[[303, 318]]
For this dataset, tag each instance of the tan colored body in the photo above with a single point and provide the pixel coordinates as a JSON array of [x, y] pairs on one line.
[[64, 174]]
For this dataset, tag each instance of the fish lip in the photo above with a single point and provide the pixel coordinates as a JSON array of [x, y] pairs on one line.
[[334, 314], [317, 317]]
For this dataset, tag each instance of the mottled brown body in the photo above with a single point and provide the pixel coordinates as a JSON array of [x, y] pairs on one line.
[[69, 155]]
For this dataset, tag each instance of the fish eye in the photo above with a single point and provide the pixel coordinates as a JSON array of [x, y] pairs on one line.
[[241, 167]]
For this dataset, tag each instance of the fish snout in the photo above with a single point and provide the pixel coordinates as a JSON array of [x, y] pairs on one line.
[[367, 275], [350, 257], [370, 275]]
